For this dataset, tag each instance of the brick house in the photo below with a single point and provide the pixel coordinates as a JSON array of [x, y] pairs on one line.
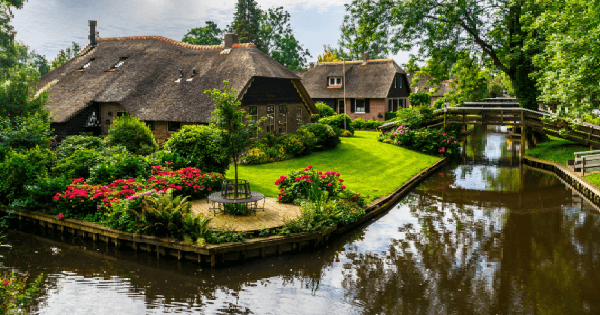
[[372, 87], [161, 81], [424, 86]]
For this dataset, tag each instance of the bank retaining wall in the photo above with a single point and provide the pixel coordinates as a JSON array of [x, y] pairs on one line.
[[218, 254]]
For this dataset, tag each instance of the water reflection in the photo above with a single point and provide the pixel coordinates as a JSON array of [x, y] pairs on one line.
[[486, 236]]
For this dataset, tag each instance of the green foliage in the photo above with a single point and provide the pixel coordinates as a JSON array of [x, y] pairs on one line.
[[292, 145], [324, 110], [40, 192], [225, 235], [246, 23], [413, 117], [439, 103], [21, 168], [133, 134], [470, 83], [65, 55], [430, 141], [200, 145], [328, 55], [346, 133], [237, 209], [255, 156], [72, 144], [122, 164], [364, 30], [166, 216], [174, 159], [208, 35], [326, 136], [78, 164], [419, 99], [279, 41], [17, 293], [308, 184], [338, 121], [390, 116]]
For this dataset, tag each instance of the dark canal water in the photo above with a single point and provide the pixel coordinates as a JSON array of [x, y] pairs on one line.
[[485, 236]]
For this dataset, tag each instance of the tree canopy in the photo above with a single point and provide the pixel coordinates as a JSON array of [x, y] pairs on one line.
[[279, 40], [65, 55], [364, 30], [246, 23], [211, 34]]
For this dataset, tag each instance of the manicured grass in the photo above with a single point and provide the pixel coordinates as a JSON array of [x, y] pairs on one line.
[[367, 166], [556, 150]]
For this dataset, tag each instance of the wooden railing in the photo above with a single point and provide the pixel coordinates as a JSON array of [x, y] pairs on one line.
[[585, 160]]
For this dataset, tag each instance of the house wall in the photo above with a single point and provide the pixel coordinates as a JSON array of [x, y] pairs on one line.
[[292, 123], [77, 124], [401, 90]]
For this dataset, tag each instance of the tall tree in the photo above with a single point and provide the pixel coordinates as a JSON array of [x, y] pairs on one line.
[[65, 55], [279, 41], [9, 49], [211, 34], [328, 55], [495, 28], [246, 23], [470, 82], [364, 30]]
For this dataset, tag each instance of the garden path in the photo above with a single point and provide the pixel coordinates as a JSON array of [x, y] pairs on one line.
[[274, 215]]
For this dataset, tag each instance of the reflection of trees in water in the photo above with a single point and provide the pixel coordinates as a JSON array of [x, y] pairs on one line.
[[458, 261]]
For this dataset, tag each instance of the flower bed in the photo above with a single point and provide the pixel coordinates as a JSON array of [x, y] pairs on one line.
[[429, 141]]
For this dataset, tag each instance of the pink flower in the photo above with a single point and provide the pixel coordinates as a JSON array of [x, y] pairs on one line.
[[341, 180], [209, 189], [443, 150], [60, 216], [447, 141], [5, 282], [320, 173], [343, 187], [310, 166], [178, 187], [280, 197], [337, 174], [329, 184]]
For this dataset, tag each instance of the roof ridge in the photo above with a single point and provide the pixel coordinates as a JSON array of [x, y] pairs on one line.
[[177, 43], [355, 61]]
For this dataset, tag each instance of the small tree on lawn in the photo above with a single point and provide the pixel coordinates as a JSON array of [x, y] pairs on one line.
[[236, 127]]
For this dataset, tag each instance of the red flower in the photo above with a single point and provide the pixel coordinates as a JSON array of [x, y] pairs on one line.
[[5, 282], [341, 180], [178, 187], [60, 216], [343, 187], [209, 189]]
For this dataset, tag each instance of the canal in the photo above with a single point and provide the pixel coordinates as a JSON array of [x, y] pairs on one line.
[[481, 236]]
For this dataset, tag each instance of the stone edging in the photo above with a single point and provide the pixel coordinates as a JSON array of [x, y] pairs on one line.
[[217, 254], [587, 190]]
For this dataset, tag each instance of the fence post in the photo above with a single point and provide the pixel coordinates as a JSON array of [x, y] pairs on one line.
[[583, 165], [444, 118], [523, 136]]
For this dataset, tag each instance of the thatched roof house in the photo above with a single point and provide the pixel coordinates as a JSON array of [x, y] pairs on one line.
[[372, 87], [162, 81], [423, 86]]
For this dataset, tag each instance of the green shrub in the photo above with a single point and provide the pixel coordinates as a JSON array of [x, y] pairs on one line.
[[430, 141], [78, 164], [133, 134], [255, 156], [308, 139], [198, 144], [225, 235], [72, 144], [21, 168], [119, 165], [292, 145], [187, 181], [237, 209], [439, 103], [326, 136], [414, 117], [358, 123], [390, 115], [372, 124], [338, 121], [419, 99], [324, 110], [295, 185], [346, 133], [162, 157]]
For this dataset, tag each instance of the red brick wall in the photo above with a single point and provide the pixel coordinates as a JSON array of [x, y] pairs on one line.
[[377, 106]]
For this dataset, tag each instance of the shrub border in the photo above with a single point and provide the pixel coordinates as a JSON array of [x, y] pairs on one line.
[[216, 255]]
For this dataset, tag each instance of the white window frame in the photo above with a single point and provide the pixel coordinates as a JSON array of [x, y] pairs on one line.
[[356, 106], [282, 121], [270, 119], [335, 81], [299, 116]]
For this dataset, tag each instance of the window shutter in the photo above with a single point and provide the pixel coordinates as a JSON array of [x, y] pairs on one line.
[[352, 105], [367, 105]]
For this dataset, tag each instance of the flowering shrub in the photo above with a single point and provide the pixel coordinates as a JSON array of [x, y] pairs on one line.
[[293, 187], [187, 181], [16, 294], [255, 156], [425, 140]]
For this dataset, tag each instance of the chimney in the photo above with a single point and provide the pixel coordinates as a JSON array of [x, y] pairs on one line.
[[365, 57], [230, 40], [93, 33], [311, 65]]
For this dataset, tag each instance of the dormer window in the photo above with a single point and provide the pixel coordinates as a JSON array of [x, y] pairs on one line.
[[120, 63], [180, 76], [335, 81], [193, 75], [86, 65]]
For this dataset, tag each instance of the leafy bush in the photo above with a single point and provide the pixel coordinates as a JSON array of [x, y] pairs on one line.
[[430, 141], [372, 124], [326, 136], [390, 115], [162, 157], [308, 139], [41, 191], [419, 99], [199, 145], [346, 133], [133, 134], [324, 110], [25, 132], [255, 156], [292, 144], [119, 165], [78, 164], [72, 144], [224, 235], [237, 209], [338, 121], [439, 103], [414, 117], [296, 185], [20, 168], [358, 123], [188, 181]]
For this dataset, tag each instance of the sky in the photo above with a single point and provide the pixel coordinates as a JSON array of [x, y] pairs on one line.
[[47, 26]]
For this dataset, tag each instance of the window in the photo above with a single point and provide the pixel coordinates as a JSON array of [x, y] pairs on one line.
[[335, 81], [119, 114], [282, 119], [341, 108], [150, 125], [360, 105], [253, 111], [109, 114], [86, 65], [299, 116], [107, 122], [395, 82], [392, 105], [120, 63], [174, 126], [271, 118]]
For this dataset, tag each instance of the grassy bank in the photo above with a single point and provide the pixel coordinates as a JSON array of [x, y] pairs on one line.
[[366, 165], [556, 150]]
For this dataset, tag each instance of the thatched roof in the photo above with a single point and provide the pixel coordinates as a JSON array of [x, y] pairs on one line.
[[424, 87], [145, 83], [370, 80]]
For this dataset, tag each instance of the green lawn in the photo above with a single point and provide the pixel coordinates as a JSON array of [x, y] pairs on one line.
[[556, 150], [366, 165]]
